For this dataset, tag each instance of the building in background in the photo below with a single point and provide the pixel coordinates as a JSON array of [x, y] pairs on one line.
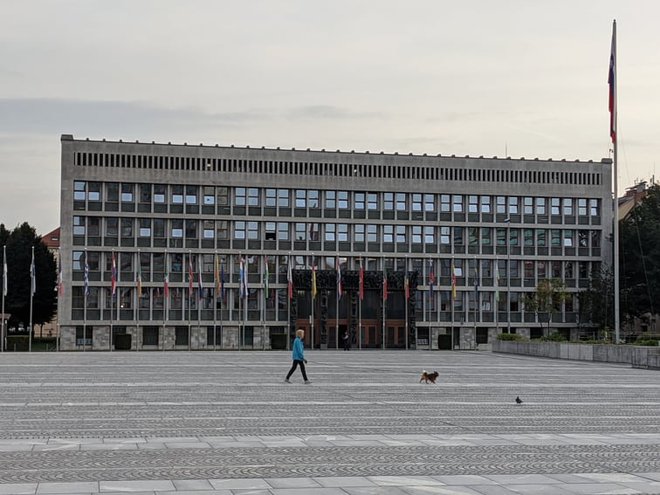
[[215, 247], [52, 242]]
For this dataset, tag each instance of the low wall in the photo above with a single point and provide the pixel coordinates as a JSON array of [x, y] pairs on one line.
[[636, 356]]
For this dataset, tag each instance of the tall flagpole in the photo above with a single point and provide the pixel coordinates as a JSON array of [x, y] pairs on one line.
[[360, 295], [33, 288], [337, 289], [4, 293], [612, 80], [216, 274], [384, 298], [113, 281], [138, 289], [166, 297], [289, 296]]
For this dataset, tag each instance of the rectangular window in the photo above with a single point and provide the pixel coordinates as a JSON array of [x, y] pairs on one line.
[[145, 227], [372, 233], [445, 235], [313, 199], [372, 201], [177, 195], [528, 204], [239, 230], [501, 204], [401, 236], [358, 232], [209, 196], [401, 202], [176, 229], [283, 231], [429, 234], [568, 206], [208, 229], [445, 205], [358, 200], [330, 232], [191, 195], [473, 204], [388, 233], [160, 192], [457, 202], [485, 204], [416, 234], [283, 198], [594, 207], [79, 191], [513, 205], [253, 196], [568, 238], [127, 192], [271, 197], [582, 207], [342, 200], [342, 232], [240, 196], [388, 201], [540, 206], [429, 202], [330, 200], [554, 206], [416, 202]]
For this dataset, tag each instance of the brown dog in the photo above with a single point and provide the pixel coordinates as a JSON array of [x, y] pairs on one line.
[[428, 377]]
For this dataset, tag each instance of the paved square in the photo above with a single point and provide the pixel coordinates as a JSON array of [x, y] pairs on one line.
[[226, 423]]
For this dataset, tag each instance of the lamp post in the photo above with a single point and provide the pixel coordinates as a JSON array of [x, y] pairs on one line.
[[507, 221]]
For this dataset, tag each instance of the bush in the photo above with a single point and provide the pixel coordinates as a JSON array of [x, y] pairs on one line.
[[278, 341], [510, 336], [648, 342], [554, 337]]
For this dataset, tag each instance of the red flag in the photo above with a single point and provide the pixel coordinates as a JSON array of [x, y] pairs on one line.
[[361, 292], [289, 279], [113, 274], [611, 79], [190, 274]]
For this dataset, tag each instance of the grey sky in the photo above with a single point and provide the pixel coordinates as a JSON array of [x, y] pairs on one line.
[[432, 76]]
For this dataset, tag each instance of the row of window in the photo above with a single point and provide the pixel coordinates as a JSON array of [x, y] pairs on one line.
[[177, 228], [152, 266], [414, 172], [114, 192], [182, 305]]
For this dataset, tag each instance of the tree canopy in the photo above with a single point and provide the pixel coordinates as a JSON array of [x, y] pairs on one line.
[[639, 256], [19, 243]]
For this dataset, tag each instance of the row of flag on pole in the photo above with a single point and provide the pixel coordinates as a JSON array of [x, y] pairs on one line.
[[5, 276], [220, 279]]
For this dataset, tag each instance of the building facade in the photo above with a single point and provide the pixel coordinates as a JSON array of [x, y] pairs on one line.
[[213, 247]]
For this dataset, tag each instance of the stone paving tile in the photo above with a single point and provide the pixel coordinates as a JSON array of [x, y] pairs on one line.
[[238, 484], [439, 490], [521, 479], [493, 490], [192, 485], [534, 489], [135, 486], [599, 489], [465, 479], [404, 480], [611, 477], [374, 490], [78, 487], [345, 482], [650, 476], [293, 483], [307, 491], [18, 489]]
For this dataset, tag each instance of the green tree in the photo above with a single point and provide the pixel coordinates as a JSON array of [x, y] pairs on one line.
[[596, 302], [548, 297], [19, 255], [639, 256]]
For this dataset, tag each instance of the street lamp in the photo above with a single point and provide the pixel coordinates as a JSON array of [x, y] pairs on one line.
[[507, 221]]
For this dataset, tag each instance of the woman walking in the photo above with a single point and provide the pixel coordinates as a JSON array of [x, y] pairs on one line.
[[298, 356]]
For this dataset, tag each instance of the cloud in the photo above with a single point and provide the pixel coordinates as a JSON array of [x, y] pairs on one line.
[[329, 112], [53, 116]]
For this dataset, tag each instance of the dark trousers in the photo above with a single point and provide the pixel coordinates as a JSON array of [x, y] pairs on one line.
[[295, 364]]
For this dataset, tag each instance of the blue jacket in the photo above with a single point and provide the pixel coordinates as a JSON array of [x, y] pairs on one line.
[[298, 350]]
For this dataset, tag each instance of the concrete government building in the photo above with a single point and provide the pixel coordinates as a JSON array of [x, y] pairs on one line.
[[221, 247]]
